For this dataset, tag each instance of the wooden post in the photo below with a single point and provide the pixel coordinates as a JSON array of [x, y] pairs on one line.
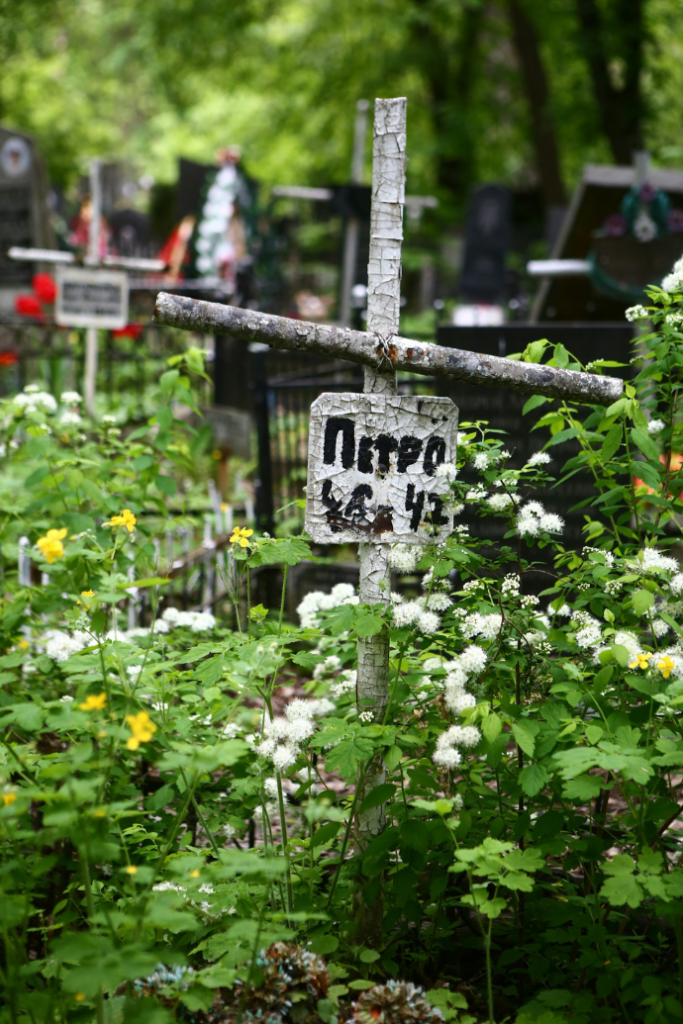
[[92, 258], [352, 228], [384, 297]]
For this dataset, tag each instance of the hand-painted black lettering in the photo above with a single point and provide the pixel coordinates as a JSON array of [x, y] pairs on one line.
[[408, 452], [365, 455], [334, 426], [384, 446], [414, 504], [331, 503], [435, 454], [356, 509], [436, 516]]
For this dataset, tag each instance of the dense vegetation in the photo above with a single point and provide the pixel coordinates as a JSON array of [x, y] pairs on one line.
[[176, 798]]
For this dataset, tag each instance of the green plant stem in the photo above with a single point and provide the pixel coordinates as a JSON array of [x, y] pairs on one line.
[[347, 832], [285, 850], [202, 819], [678, 931]]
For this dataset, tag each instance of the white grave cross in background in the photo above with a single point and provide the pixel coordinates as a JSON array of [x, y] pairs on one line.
[[89, 296]]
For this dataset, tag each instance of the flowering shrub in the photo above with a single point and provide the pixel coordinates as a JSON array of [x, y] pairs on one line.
[[178, 797]]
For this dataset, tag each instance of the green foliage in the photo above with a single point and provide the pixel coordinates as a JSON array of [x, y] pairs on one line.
[[165, 800]]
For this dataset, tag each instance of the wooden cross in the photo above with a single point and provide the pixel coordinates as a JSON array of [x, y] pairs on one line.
[[380, 450], [109, 279]]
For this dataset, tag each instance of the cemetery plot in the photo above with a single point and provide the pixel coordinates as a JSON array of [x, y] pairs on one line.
[[373, 468]]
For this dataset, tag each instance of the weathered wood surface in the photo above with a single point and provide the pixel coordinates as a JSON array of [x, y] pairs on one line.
[[366, 348], [373, 468]]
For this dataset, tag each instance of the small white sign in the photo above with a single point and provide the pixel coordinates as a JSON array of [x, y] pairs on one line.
[[91, 298], [372, 462]]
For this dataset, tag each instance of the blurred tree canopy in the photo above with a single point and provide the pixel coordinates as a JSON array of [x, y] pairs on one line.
[[519, 91]]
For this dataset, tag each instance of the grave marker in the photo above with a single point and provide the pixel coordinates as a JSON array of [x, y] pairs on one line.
[[372, 468], [352, 433]]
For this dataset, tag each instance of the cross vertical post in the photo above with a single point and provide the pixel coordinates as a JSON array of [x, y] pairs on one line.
[[384, 297], [93, 258]]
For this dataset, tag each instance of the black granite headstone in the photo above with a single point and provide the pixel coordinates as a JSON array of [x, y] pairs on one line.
[[502, 409], [24, 217], [487, 239]]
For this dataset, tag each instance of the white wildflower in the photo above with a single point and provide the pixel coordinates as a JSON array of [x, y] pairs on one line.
[[491, 625], [285, 756], [499, 502], [327, 666], [589, 635], [458, 508], [298, 709], [438, 602], [407, 613], [341, 592], [654, 426], [70, 398], [539, 459], [456, 678], [404, 557], [270, 788], [639, 312], [231, 730], [60, 645], [463, 736], [552, 523], [676, 584], [446, 471], [481, 461], [528, 601], [345, 683], [228, 830], [660, 628], [510, 585], [528, 525], [70, 419], [651, 560], [428, 622], [477, 493], [446, 757], [473, 659], [321, 706], [366, 716]]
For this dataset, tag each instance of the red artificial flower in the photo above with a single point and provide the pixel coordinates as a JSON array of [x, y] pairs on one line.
[[29, 305], [129, 331], [45, 288]]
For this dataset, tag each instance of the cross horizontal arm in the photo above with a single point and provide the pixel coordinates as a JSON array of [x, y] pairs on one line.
[[367, 349]]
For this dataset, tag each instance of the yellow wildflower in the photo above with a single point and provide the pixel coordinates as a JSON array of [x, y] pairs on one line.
[[23, 645], [131, 870], [87, 593], [94, 702], [79, 997], [125, 518], [51, 546], [195, 873], [641, 661], [241, 536], [8, 798], [224, 507], [142, 728], [99, 813], [665, 666]]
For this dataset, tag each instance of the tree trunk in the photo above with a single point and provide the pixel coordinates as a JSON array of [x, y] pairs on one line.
[[620, 109], [542, 126], [450, 79]]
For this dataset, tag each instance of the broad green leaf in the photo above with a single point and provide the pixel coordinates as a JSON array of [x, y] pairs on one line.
[[641, 601], [289, 551], [524, 737], [533, 403], [532, 779], [393, 757], [491, 727], [582, 788], [378, 795], [347, 755], [622, 889], [368, 624], [612, 442], [325, 833], [645, 443], [166, 484]]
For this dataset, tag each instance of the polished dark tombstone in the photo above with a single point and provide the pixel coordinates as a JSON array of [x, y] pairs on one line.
[[24, 216], [502, 409], [487, 240]]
